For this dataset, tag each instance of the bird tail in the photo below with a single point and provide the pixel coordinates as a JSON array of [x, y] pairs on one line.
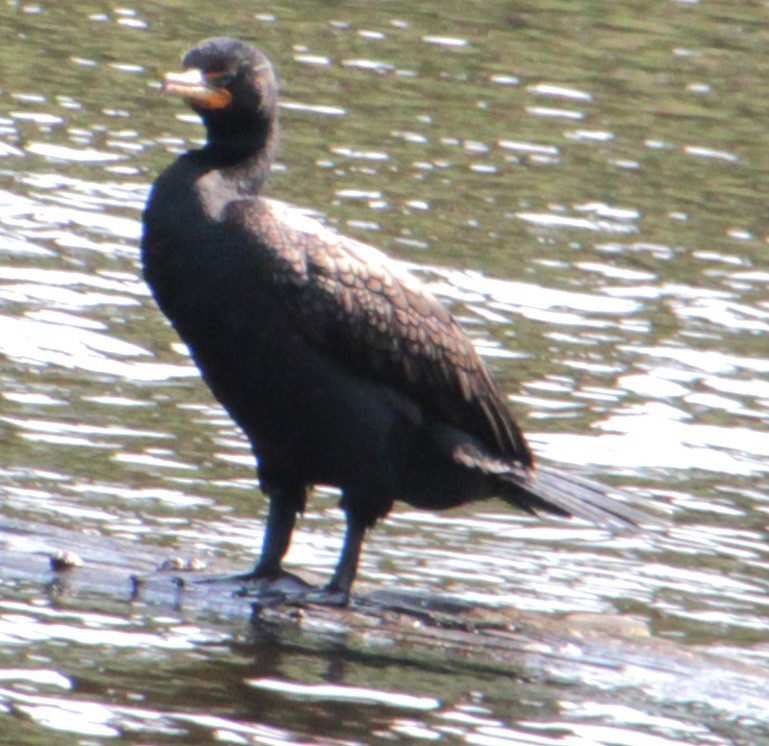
[[547, 489]]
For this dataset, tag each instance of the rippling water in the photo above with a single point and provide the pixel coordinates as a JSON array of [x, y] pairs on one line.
[[582, 183]]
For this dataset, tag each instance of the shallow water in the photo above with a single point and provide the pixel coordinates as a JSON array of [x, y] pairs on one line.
[[582, 183]]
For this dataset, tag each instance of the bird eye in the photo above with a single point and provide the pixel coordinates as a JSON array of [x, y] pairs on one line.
[[222, 80]]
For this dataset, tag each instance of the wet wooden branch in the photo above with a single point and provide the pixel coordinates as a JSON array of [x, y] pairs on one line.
[[606, 650]]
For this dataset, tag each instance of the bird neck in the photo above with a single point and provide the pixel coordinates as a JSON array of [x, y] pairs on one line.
[[242, 152]]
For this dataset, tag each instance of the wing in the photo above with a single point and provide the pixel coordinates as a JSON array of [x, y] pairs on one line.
[[360, 306]]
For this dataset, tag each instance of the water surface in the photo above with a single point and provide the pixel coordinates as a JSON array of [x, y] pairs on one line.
[[582, 183]]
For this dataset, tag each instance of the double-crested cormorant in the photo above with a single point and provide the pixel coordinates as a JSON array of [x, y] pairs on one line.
[[340, 368]]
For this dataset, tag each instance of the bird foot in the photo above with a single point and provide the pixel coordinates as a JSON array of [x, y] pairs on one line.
[[291, 590], [273, 589], [326, 596], [282, 588]]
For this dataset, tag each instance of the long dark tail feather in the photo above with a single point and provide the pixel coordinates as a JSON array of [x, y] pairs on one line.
[[549, 490]]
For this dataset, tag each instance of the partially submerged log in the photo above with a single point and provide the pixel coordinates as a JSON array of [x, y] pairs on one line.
[[595, 649]]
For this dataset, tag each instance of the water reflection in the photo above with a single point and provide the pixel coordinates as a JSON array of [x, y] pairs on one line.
[[295, 692], [581, 185]]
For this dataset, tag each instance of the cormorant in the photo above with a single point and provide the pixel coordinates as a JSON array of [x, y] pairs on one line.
[[340, 368]]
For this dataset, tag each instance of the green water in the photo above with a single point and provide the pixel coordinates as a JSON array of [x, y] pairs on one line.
[[583, 183]]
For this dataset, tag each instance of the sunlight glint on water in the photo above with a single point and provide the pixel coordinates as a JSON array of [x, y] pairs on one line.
[[584, 192]]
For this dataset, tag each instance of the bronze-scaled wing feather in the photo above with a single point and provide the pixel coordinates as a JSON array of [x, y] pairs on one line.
[[361, 307]]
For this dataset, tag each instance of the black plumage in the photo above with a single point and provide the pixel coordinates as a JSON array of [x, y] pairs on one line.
[[340, 368]]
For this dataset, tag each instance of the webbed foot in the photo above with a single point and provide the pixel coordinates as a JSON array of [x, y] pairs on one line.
[[274, 589], [287, 588], [328, 595]]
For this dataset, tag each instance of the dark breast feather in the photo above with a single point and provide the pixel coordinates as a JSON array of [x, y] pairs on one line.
[[359, 306]]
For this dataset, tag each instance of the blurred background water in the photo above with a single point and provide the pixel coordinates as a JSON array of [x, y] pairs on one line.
[[582, 182]]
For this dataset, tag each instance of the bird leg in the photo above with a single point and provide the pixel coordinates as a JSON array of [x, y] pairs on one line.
[[272, 584], [268, 577], [337, 591]]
